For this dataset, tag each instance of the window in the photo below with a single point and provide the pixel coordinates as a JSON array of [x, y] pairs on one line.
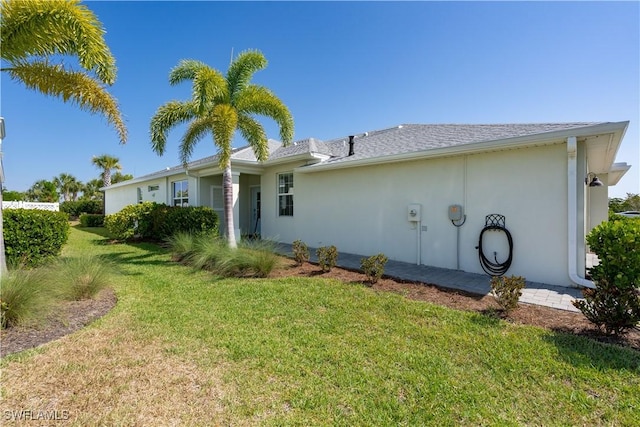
[[181, 193], [285, 194], [153, 188], [139, 195]]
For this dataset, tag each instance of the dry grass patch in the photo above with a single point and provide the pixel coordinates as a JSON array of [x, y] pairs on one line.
[[109, 376]]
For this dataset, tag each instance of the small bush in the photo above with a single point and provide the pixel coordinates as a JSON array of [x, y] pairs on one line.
[[373, 267], [92, 220], [507, 291], [132, 221], [31, 237], [614, 304], [300, 252], [24, 298], [327, 257], [79, 278]]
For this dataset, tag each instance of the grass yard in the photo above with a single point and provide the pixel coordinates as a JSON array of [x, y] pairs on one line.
[[184, 348]]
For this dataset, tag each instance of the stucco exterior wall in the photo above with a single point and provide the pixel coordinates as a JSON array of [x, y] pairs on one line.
[[364, 210]]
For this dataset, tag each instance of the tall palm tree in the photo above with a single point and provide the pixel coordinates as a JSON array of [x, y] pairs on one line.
[[107, 163], [35, 33], [219, 106]]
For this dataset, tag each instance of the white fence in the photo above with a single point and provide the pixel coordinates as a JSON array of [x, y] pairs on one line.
[[31, 205]]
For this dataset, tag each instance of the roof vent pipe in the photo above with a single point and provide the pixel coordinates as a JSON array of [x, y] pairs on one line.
[[351, 152]]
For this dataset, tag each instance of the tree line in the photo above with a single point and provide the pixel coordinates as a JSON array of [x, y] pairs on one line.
[[68, 188], [629, 203]]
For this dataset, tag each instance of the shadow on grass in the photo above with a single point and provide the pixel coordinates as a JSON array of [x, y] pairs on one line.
[[589, 352]]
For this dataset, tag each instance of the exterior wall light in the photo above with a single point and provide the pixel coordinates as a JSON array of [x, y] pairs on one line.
[[595, 181]]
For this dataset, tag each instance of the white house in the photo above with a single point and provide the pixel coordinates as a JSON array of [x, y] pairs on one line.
[[419, 193]]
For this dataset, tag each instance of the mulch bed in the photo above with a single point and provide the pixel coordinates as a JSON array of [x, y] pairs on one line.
[[77, 314]]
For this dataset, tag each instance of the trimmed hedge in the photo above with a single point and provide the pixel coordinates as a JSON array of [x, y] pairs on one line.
[[149, 220], [92, 220], [32, 236], [78, 207]]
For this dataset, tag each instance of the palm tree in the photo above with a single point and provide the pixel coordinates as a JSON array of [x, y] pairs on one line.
[[35, 33], [66, 183], [120, 177], [220, 105], [107, 163], [91, 190], [43, 191]]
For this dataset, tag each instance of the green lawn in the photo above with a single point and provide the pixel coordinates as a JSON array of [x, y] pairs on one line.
[[184, 347]]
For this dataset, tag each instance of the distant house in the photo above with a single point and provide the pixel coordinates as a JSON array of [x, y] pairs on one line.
[[419, 193]]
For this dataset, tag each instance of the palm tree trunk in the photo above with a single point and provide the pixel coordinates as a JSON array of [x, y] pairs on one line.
[[227, 188]]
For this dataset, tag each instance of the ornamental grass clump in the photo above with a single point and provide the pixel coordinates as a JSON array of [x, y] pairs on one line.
[[24, 298], [327, 257], [79, 278], [373, 267], [507, 291], [614, 305]]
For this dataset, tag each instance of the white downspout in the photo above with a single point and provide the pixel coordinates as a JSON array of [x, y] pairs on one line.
[[572, 208]]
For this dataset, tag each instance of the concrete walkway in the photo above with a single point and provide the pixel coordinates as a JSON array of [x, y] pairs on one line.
[[534, 293]]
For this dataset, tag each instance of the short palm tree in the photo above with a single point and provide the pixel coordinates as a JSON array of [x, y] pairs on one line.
[[106, 163], [43, 191], [34, 33], [219, 106], [67, 184], [91, 190]]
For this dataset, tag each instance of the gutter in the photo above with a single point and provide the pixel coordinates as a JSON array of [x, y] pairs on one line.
[[572, 214]]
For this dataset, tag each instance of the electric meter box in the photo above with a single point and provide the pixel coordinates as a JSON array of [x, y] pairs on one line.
[[414, 212], [455, 213]]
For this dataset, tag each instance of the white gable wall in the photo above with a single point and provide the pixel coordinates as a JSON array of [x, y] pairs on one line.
[[364, 210]]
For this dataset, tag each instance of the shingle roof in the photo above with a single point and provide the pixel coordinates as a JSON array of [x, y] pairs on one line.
[[410, 138], [402, 139]]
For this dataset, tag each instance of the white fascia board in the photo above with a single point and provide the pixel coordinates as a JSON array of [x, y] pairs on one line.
[[547, 138], [296, 158], [616, 173]]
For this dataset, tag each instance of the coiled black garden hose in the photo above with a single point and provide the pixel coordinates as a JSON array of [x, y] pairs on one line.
[[495, 223]]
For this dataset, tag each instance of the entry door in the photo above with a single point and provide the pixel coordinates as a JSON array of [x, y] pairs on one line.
[[255, 210]]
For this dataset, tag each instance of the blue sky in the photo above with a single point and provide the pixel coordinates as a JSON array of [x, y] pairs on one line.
[[345, 68]]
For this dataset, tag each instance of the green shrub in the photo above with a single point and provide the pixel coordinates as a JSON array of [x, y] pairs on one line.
[[151, 220], [327, 257], [24, 298], [32, 236], [373, 267], [91, 220], [80, 277], [78, 207], [300, 252], [507, 291], [614, 304], [168, 220]]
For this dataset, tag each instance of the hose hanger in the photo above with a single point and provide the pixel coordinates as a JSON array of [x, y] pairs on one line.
[[495, 222]]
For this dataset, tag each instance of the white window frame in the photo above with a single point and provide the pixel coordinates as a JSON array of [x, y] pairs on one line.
[[180, 199], [285, 193]]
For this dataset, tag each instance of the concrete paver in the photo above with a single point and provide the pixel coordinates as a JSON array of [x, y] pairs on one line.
[[559, 297]]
